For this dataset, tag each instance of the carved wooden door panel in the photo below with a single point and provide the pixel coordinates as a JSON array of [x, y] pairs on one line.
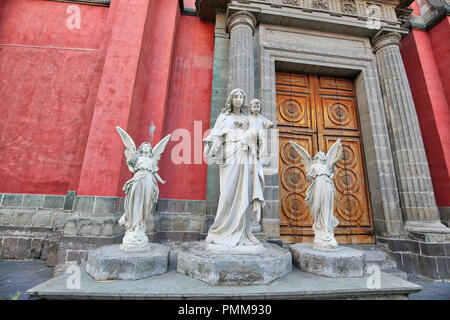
[[314, 112]]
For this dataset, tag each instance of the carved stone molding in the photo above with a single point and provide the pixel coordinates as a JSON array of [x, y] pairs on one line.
[[381, 40], [434, 12], [291, 2], [374, 11], [241, 19], [348, 6], [403, 14], [320, 4], [439, 4]]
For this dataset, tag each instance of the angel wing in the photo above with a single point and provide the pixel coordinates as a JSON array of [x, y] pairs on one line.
[[306, 159], [159, 148], [130, 147], [335, 152]]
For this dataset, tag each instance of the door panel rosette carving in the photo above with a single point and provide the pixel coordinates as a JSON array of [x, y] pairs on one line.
[[294, 110], [339, 113], [288, 153], [348, 207], [351, 198], [294, 207]]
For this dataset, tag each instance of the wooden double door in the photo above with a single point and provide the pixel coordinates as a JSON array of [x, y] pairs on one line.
[[315, 111]]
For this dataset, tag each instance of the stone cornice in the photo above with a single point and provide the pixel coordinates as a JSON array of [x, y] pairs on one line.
[[439, 10], [321, 20], [362, 9], [353, 17]]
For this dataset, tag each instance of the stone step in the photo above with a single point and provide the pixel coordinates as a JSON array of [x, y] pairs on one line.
[[364, 247], [383, 264], [375, 255], [397, 273]]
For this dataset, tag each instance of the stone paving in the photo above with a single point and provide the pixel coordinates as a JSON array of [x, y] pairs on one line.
[[21, 275], [431, 290]]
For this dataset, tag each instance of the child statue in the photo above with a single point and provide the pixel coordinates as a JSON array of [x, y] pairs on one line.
[[257, 123]]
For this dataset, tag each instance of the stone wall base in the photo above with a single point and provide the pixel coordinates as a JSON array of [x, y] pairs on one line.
[[29, 243], [445, 215], [428, 260], [63, 229]]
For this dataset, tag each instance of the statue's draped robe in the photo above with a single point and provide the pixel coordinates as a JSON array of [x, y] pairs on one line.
[[141, 193], [320, 199], [241, 182]]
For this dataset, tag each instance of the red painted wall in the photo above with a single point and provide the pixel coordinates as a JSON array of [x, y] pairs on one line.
[[47, 73], [440, 41], [189, 4], [133, 91], [189, 101], [63, 92], [425, 55]]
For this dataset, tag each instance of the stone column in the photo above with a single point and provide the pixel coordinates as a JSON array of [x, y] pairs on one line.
[[413, 176], [241, 72], [241, 27]]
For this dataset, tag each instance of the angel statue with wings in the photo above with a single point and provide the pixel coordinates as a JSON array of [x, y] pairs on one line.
[[320, 194], [141, 190]]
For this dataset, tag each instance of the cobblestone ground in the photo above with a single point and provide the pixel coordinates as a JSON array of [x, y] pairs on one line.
[[21, 275]]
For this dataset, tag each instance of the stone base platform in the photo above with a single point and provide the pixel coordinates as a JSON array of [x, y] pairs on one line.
[[344, 263], [172, 285], [216, 268], [112, 263]]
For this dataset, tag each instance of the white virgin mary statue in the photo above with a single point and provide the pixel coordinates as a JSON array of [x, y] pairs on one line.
[[241, 178]]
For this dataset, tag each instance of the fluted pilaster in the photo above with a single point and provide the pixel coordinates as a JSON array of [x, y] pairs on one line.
[[413, 175], [241, 27]]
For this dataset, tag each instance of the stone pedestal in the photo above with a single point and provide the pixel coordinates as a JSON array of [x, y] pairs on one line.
[[112, 263], [233, 269], [343, 263]]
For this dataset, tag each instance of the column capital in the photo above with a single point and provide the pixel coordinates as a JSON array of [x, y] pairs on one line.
[[385, 39], [241, 19]]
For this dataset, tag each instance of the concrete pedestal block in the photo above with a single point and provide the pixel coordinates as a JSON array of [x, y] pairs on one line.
[[112, 263], [344, 263], [233, 269]]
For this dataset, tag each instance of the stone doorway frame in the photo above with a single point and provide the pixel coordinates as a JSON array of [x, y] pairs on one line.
[[361, 67]]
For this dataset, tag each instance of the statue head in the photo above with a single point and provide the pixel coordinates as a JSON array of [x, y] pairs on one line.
[[320, 156], [255, 106], [145, 148], [236, 99]]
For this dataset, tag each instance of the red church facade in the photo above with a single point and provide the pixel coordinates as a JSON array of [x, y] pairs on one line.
[[92, 79], [71, 71]]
